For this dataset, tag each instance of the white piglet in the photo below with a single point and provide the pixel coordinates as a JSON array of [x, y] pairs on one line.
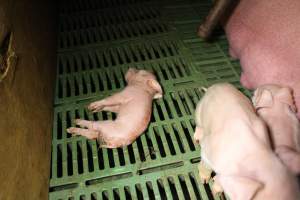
[[275, 105], [236, 145], [134, 108]]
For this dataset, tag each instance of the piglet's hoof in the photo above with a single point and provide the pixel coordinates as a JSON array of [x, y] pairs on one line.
[[198, 135], [216, 188], [204, 173]]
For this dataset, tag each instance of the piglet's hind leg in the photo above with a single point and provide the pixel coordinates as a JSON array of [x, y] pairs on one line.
[[112, 134]]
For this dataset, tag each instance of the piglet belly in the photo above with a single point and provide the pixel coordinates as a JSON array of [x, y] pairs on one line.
[[135, 119]]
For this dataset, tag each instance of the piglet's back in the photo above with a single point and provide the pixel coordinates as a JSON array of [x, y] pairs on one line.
[[223, 100], [228, 117]]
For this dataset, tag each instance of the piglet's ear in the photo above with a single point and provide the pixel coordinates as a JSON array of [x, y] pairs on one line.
[[156, 86], [285, 95], [262, 98]]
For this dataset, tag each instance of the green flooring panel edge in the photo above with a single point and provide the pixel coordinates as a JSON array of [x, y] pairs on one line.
[[98, 42]]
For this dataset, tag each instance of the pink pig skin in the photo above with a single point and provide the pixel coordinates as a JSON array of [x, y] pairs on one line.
[[264, 35], [134, 108], [275, 105], [235, 144]]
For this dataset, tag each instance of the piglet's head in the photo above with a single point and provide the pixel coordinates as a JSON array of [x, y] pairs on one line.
[[265, 96], [146, 78]]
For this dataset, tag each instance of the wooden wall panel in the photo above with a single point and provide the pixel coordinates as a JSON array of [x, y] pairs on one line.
[[26, 97]]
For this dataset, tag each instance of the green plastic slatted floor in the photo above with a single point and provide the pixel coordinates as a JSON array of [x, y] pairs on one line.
[[98, 41]]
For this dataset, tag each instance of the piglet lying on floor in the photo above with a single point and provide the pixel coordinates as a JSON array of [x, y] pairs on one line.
[[275, 105], [235, 144], [134, 108]]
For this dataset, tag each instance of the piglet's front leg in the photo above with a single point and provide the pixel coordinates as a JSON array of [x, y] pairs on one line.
[[89, 134], [111, 103], [198, 135], [204, 172], [91, 131]]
